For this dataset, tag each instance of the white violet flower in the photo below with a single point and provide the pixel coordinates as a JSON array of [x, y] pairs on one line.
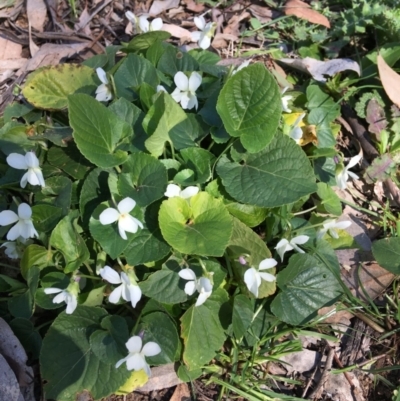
[[296, 132], [202, 285], [126, 222], [185, 92], [160, 88], [146, 26], [103, 92], [136, 359], [330, 226], [174, 190], [285, 101], [203, 37], [15, 249], [69, 296], [253, 277], [24, 227], [343, 173], [241, 66], [128, 290], [28, 162], [284, 245]]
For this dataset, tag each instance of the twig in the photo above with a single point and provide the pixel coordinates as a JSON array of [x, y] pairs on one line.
[[328, 365], [309, 382]]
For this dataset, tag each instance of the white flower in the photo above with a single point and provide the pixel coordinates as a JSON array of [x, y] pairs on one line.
[[285, 101], [24, 227], [28, 162], [160, 88], [174, 190], [241, 66], [136, 358], [330, 226], [343, 173], [205, 34], [284, 245], [126, 222], [202, 285], [185, 92], [146, 26], [296, 132], [252, 276], [128, 290], [15, 250], [69, 296], [103, 92]]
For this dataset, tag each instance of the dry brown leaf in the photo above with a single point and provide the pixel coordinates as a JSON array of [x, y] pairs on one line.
[[233, 24], [191, 5], [9, 50], [177, 32], [33, 47], [84, 20], [263, 14], [181, 393], [221, 39], [302, 10], [12, 12], [160, 6], [36, 12], [13, 64], [161, 377], [390, 81]]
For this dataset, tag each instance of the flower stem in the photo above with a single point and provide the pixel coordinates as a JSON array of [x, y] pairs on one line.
[[305, 211], [228, 265], [88, 276], [10, 267]]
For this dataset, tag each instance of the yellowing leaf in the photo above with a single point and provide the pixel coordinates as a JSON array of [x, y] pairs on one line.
[[390, 81], [137, 379], [309, 136], [290, 119]]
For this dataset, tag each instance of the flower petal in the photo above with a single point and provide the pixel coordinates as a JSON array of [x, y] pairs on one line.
[[52, 290], [32, 177], [61, 297], [283, 246], [299, 240], [190, 287], [195, 36], [192, 102], [204, 285], [156, 24], [185, 99], [267, 264], [15, 160], [102, 75], [120, 362], [135, 362], [108, 216], [341, 225], [267, 277], [109, 274], [189, 192], [24, 211], [147, 369], [31, 160], [8, 217], [144, 25], [353, 161], [131, 17], [24, 180], [200, 22], [135, 294], [177, 95], [15, 232], [172, 190], [194, 81], [204, 42], [151, 348], [181, 81], [126, 205], [187, 274], [250, 278], [72, 303], [202, 298], [116, 294], [127, 223], [134, 344]]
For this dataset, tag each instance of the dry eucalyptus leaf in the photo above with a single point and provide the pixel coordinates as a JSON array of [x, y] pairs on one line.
[[160, 6], [317, 69], [36, 12], [263, 14], [161, 377], [191, 5], [302, 361], [390, 81], [11, 11], [9, 50], [376, 118], [9, 388], [304, 11], [181, 393], [177, 32]]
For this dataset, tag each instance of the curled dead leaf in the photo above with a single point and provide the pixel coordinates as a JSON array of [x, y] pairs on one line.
[[390, 81], [304, 11], [177, 31]]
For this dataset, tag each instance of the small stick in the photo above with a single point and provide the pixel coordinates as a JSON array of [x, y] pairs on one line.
[[309, 382], [324, 377]]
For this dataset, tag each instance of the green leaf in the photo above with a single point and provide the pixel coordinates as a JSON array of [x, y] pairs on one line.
[[53, 279], [162, 118], [159, 327], [49, 87], [70, 160], [9, 285], [67, 240], [94, 191], [133, 71], [165, 285], [242, 316], [244, 241], [250, 107], [35, 255], [143, 178], [147, 245], [330, 202], [58, 192], [200, 161], [27, 334], [188, 132], [173, 60], [145, 40], [306, 285], [97, 131], [109, 344], [200, 227], [381, 169], [46, 217], [387, 254], [278, 175], [202, 332], [68, 363]]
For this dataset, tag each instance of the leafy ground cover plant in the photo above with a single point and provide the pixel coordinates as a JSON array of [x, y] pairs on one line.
[[167, 209]]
